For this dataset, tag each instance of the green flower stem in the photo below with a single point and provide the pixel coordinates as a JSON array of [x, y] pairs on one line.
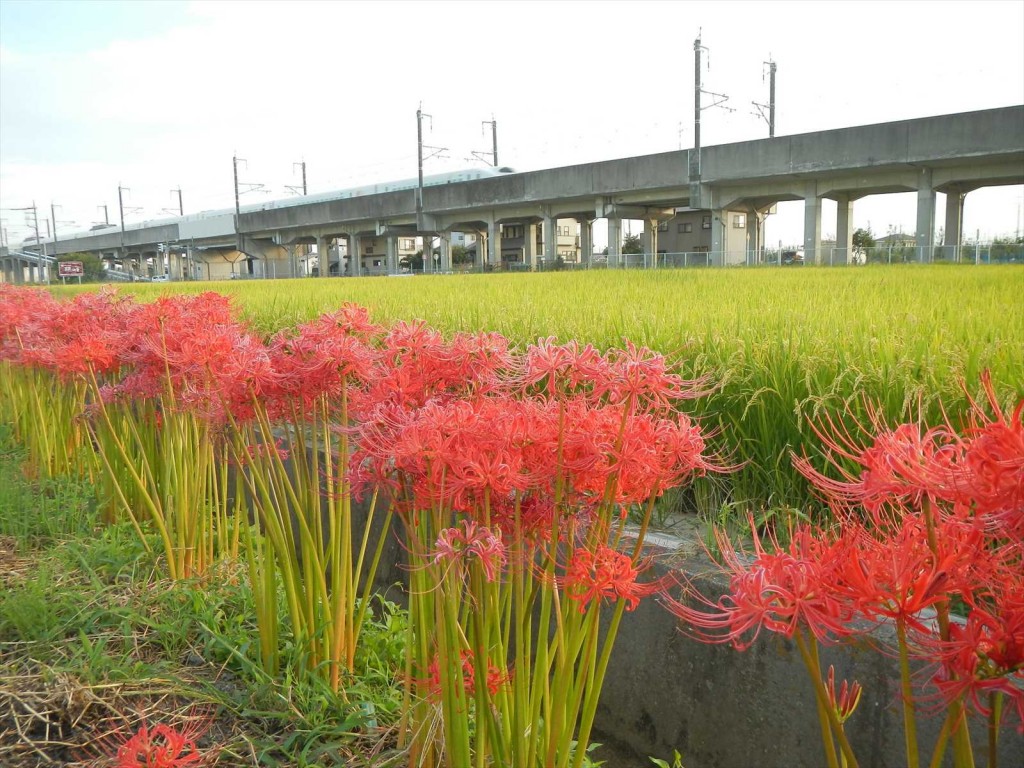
[[909, 717], [963, 752], [822, 694], [995, 703]]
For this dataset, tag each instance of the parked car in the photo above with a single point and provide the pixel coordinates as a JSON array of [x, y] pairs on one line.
[[793, 257], [161, 278]]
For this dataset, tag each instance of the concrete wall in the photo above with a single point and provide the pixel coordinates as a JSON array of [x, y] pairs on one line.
[[725, 709], [995, 132]]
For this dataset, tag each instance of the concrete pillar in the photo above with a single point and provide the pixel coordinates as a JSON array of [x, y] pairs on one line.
[[844, 230], [586, 240], [445, 263], [289, 249], [719, 237], [750, 235], [614, 241], [550, 241], [530, 244], [353, 255], [391, 245], [812, 225], [651, 232], [952, 233], [494, 244], [428, 254], [323, 255], [925, 235]]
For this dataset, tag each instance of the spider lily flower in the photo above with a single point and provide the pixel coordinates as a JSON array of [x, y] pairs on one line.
[[161, 746], [604, 573], [471, 543], [778, 589], [845, 702]]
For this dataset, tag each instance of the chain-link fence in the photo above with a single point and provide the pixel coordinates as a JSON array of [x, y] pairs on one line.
[[785, 257]]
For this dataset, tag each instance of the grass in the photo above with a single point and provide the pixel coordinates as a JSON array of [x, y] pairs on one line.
[[92, 643]]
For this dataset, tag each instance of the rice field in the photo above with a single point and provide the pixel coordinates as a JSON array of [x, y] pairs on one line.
[[786, 346]]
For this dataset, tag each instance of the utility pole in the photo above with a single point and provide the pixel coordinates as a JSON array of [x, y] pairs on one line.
[[42, 246], [106, 216], [494, 143], [720, 98], [695, 159], [53, 218], [120, 206], [296, 189], [419, 159], [238, 206], [494, 140], [181, 206], [420, 146], [770, 106]]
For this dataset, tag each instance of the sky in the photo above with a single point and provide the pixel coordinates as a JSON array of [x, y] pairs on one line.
[[158, 96]]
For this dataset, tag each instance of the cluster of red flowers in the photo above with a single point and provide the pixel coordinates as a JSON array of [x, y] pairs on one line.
[[471, 541], [604, 573], [496, 676], [162, 746], [929, 516], [528, 443]]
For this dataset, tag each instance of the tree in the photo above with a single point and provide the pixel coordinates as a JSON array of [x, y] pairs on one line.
[[460, 255], [863, 239], [631, 244], [412, 263], [93, 270], [863, 243]]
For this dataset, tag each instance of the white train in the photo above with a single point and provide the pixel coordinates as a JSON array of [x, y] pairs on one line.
[[455, 177]]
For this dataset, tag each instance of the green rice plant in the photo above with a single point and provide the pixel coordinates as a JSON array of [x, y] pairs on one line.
[[784, 344]]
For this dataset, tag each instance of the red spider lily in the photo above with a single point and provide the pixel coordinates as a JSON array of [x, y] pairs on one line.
[[635, 455], [639, 376], [456, 453], [496, 676], [535, 512], [162, 746], [89, 332], [417, 365], [604, 573], [900, 467], [190, 346], [991, 480], [781, 590], [483, 360], [324, 357], [471, 542], [980, 472], [845, 702], [898, 575], [984, 655], [25, 321], [563, 369]]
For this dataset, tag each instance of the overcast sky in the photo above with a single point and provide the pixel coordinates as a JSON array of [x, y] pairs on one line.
[[159, 95]]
